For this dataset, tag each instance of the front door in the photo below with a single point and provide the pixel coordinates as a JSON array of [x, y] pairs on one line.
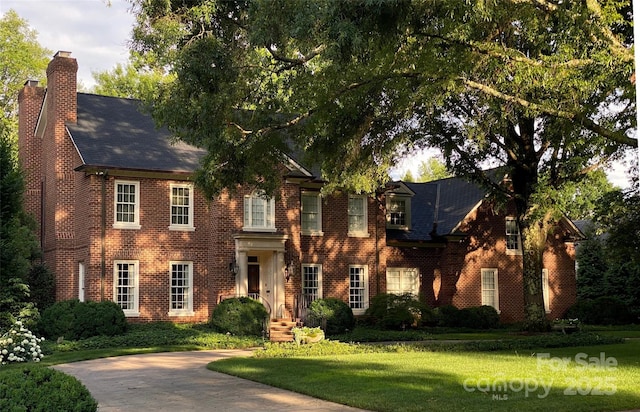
[[254, 280]]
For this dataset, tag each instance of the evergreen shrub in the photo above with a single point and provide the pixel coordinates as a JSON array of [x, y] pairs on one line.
[[240, 316], [334, 313]]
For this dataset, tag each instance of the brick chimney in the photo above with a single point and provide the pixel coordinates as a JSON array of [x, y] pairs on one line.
[[30, 100]]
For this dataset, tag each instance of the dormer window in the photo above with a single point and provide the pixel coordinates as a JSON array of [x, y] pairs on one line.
[[398, 212]]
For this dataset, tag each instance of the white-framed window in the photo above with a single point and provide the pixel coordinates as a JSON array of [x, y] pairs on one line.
[[181, 288], [125, 286], [312, 281], [512, 236], [81, 271], [181, 209], [403, 280], [126, 205], [545, 290], [357, 212], [398, 212], [358, 289], [490, 288], [259, 212], [311, 213]]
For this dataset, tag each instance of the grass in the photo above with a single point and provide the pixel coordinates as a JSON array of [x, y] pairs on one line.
[[443, 381]]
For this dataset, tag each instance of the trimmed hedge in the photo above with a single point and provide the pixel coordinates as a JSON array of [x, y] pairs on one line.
[[38, 388], [240, 316], [337, 315], [398, 312], [73, 320], [476, 317], [604, 310]]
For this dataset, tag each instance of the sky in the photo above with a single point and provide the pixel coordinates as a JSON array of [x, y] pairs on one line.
[[97, 35]]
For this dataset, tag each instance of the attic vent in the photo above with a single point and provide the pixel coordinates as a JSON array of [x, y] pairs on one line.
[[62, 54], [31, 83]]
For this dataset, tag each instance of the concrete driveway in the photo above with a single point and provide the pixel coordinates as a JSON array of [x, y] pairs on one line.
[[179, 381]]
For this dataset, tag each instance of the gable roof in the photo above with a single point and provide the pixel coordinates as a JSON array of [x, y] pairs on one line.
[[114, 132], [437, 209]]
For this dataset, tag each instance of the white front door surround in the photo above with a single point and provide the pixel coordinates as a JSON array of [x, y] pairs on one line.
[[270, 250]]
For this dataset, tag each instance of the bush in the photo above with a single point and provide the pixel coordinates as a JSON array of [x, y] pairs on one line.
[[390, 311], [20, 345], [37, 388], [476, 317], [42, 286], [72, 319], [240, 316], [605, 310], [336, 314]]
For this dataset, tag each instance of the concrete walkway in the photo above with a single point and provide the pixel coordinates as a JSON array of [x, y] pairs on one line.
[[179, 381]]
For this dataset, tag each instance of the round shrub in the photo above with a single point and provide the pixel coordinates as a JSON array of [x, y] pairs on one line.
[[604, 310], [391, 311], [37, 388], [448, 316], [58, 319], [104, 318], [332, 312], [240, 316], [72, 320], [479, 317]]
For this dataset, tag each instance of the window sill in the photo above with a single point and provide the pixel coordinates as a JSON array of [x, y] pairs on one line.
[[512, 252], [396, 227], [181, 313], [358, 234], [258, 229], [311, 233], [131, 226], [133, 314], [182, 228]]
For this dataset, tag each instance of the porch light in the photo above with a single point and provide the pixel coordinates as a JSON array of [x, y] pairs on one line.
[[234, 268], [288, 271]]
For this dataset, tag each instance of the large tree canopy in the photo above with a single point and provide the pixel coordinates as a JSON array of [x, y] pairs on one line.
[[541, 87]]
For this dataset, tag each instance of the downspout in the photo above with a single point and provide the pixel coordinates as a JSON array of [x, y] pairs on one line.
[[103, 233]]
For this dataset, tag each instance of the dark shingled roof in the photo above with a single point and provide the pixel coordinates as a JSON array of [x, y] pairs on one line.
[[437, 208], [115, 133]]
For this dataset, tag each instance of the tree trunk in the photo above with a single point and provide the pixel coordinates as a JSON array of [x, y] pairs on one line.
[[534, 239]]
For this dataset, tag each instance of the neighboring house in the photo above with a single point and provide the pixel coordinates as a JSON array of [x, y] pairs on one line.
[[120, 219]]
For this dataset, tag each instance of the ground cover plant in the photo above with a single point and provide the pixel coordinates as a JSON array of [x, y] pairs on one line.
[[403, 378]]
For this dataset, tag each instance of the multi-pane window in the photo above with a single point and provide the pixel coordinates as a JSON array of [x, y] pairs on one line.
[[512, 236], [311, 213], [259, 212], [181, 291], [357, 211], [125, 285], [127, 205], [403, 280], [358, 288], [181, 207], [398, 212], [545, 290], [490, 288], [312, 281]]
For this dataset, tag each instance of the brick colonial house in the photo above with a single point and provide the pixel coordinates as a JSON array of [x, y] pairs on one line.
[[120, 219]]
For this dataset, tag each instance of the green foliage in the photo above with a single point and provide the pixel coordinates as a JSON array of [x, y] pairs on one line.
[[37, 388], [391, 311], [166, 335], [334, 315], [240, 316], [605, 310], [126, 81], [42, 286], [72, 319], [476, 317]]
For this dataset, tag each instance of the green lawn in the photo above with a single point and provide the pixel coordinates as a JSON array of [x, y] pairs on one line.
[[447, 381]]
